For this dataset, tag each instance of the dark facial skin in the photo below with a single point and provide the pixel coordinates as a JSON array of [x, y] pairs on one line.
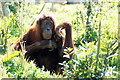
[[47, 26]]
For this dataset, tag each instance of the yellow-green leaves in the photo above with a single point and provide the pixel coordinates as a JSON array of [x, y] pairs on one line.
[[9, 56]]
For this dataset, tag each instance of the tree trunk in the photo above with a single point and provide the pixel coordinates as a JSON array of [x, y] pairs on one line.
[[5, 9]]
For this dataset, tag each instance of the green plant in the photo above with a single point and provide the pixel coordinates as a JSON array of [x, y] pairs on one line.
[[83, 64]]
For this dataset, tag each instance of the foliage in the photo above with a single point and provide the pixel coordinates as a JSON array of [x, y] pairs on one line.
[[21, 69], [83, 65], [85, 18]]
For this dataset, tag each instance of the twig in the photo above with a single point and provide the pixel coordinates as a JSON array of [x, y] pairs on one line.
[[98, 49], [39, 13]]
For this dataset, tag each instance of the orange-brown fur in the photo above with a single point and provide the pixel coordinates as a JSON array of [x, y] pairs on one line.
[[43, 56]]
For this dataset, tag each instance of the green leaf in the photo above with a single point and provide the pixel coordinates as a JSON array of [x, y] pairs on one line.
[[9, 56], [67, 56], [90, 44], [103, 49]]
